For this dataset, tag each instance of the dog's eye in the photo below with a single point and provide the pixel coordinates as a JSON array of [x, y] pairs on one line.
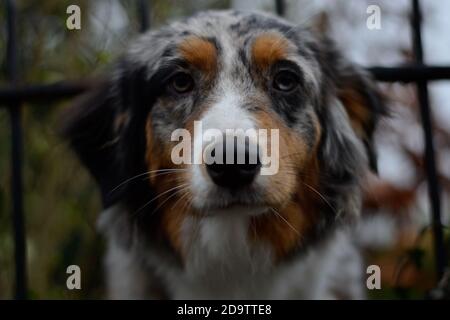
[[182, 82], [285, 81]]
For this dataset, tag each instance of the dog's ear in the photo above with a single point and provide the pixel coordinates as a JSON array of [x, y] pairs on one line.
[[97, 127], [89, 126], [358, 93]]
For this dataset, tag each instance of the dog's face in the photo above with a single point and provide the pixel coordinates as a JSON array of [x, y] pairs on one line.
[[232, 71]]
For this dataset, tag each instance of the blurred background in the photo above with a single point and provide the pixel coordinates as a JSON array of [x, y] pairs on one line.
[[61, 202]]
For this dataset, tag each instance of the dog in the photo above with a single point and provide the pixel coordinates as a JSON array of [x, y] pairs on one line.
[[225, 231]]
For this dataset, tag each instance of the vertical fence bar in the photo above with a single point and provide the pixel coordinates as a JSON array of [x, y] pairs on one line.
[[16, 156], [430, 162], [144, 15], [280, 7]]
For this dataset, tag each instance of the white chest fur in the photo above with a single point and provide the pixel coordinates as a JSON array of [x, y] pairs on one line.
[[221, 263]]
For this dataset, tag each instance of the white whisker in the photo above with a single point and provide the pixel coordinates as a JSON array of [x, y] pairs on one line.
[[287, 222], [168, 198], [321, 196], [160, 195], [159, 172]]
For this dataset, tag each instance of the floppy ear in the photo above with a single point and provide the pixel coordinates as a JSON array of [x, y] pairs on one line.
[[364, 105], [98, 127], [358, 93], [89, 128]]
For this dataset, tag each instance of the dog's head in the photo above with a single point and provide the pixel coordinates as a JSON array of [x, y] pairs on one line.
[[232, 71]]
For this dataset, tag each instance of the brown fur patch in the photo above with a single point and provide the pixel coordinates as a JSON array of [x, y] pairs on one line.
[[158, 158], [269, 48], [292, 192], [173, 207], [200, 53], [292, 155], [356, 109], [284, 228], [174, 213]]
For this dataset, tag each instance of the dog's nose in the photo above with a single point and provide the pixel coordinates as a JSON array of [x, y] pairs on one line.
[[237, 173]]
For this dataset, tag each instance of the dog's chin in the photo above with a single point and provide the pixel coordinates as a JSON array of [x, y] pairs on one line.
[[248, 203], [238, 209]]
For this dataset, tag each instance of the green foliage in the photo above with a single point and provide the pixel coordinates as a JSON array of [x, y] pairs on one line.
[[61, 201]]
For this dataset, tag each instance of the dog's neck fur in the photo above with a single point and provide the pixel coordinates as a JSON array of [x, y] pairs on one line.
[[221, 262], [223, 240]]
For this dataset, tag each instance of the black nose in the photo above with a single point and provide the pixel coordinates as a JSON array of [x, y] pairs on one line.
[[235, 175]]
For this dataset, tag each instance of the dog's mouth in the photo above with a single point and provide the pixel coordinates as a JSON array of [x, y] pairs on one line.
[[237, 208], [248, 201]]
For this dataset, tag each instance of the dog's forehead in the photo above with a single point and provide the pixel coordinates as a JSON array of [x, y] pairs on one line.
[[234, 24], [228, 30]]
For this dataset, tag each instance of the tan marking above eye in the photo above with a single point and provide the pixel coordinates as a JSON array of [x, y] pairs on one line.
[[200, 53], [269, 48]]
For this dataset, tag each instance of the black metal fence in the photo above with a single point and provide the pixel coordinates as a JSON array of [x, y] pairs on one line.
[[13, 96]]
